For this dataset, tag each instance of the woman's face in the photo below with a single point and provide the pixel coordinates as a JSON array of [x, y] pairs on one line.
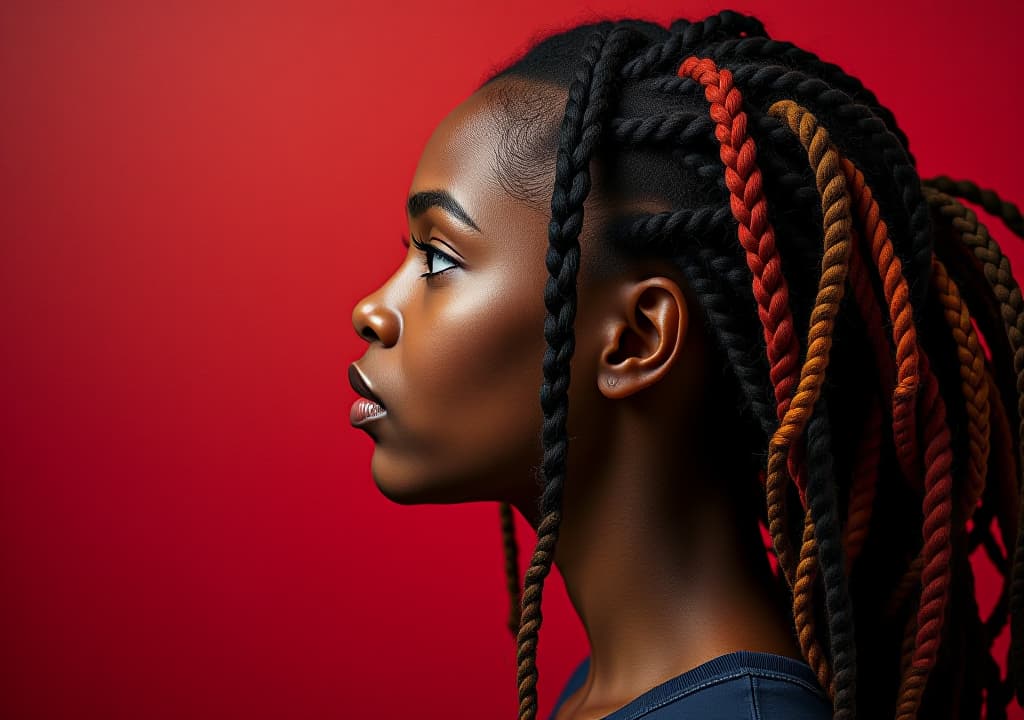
[[455, 358]]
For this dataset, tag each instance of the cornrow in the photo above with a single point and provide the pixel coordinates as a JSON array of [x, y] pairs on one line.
[[849, 303]]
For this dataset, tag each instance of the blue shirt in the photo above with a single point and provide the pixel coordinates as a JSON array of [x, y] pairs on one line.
[[742, 685]]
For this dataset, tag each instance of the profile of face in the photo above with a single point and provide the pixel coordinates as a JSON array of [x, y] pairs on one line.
[[456, 334]]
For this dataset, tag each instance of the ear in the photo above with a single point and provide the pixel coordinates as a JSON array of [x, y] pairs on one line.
[[644, 338]]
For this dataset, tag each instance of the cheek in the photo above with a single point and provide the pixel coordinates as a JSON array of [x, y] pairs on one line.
[[488, 357], [473, 382]]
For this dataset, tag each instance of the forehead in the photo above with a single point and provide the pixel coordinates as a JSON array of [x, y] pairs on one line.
[[459, 156], [496, 139], [461, 139]]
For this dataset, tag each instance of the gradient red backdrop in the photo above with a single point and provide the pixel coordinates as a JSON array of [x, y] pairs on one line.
[[194, 196]]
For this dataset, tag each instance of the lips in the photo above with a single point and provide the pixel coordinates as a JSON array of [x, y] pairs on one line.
[[359, 384]]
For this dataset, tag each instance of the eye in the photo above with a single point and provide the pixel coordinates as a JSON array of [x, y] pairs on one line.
[[430, 257]]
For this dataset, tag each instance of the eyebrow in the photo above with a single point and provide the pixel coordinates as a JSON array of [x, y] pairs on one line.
[[420, 202]]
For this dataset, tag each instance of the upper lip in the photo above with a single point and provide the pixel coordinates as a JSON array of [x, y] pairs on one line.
[[359, 384]]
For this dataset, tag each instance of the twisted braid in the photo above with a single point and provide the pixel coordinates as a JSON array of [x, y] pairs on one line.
[[664, 231], [687, 127], [835, 204], [973, 384], [988, 199], [511, 548], [684, 37], [1003, 471], [866, 470], [587, 104], [807, 573], [904, 335], [707, 273], [823, 505], [996, 269], [976, 394], [785, 159], [935, 555], [865, 481]]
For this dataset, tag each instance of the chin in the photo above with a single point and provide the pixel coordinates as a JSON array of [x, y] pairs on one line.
[[401, 493], [411, 486]]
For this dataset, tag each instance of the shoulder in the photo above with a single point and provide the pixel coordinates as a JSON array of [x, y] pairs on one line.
[[737, 686], [784, 696], [746, 694]]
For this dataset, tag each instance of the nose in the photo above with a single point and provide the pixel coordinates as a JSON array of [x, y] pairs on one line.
[[374, 319]]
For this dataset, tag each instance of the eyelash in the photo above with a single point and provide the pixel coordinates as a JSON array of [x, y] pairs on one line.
[[427, 249]]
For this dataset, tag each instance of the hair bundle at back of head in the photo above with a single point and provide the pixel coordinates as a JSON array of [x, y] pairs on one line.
[[851, 304]]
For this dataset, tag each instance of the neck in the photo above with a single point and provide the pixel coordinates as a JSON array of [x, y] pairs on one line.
[[661, 570]]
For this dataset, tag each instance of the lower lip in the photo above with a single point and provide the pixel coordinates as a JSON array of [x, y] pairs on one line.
[[364, 411]]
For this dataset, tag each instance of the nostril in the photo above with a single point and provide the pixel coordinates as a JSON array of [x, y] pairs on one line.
[[374, 321]]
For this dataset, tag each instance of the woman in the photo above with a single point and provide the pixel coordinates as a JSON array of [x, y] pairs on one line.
[[767, 318]]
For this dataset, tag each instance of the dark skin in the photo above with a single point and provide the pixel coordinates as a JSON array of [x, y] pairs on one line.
[[662, 571]]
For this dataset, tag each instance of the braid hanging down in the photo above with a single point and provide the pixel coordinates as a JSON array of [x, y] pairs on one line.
[[803, 227]]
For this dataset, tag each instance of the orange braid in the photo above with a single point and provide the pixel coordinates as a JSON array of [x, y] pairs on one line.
[[865, 473], [972, 384], [976, 396], [865, 481], [757, 237], [835, 204], [803, 607], [936, 553], [837, 226], [904, 336]]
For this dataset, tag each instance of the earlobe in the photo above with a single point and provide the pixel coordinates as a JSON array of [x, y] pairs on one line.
[[646, 337]]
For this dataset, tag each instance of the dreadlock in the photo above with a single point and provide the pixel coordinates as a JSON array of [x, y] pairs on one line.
[[872, 330]]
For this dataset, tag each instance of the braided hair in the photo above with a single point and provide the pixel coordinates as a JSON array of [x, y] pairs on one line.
[[869, 324]]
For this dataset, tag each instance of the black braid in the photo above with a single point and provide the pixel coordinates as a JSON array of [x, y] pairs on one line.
[[580, 134], [588, 103], [989, 199], [781, 155], [664, 231], [684, 37], [689, 126], [764, 47], [824, 506], [707, 273]]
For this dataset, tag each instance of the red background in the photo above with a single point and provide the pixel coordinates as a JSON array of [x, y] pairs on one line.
[[194, 196]]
